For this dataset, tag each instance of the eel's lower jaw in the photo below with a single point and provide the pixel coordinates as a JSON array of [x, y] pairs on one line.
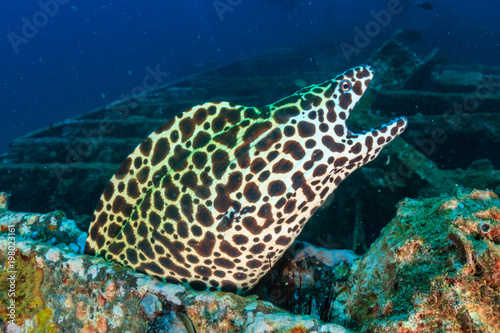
[[395, 127]]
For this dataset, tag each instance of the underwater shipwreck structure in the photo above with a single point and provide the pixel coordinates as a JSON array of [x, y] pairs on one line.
[[453, 113], [451, 109]]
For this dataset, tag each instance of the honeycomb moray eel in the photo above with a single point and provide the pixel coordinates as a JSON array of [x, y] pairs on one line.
[[215, 196]]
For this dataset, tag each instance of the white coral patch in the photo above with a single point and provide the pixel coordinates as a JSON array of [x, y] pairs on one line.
[[24, 247], [92, 271], [53, 254], [116, 316], [278, 322], [327, 257], [75, 266], [69, 302], [252, 306], [144, 285], [53, 222], [13, 328], [40, 262], [168, 290], [333, 328], [11, 219]]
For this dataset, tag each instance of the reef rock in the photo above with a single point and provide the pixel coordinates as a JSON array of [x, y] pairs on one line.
[[435, 268], [51, 287]]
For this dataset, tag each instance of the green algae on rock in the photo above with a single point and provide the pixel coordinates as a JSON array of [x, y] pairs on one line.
[[435, 268], [215, 196], [26, 292]]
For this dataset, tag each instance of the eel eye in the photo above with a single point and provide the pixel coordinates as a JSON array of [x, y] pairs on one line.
[[485, 227], [345, 85]]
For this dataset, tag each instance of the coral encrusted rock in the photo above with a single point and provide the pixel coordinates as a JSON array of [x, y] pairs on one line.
[[435, 268], [49, 286]]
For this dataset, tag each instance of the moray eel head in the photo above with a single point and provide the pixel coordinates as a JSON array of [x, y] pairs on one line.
[[351, 150]]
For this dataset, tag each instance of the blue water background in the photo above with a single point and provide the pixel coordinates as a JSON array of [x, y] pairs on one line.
[[92, 52]]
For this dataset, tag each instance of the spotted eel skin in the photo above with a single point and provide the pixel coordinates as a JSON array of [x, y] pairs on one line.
[[215, 196]]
